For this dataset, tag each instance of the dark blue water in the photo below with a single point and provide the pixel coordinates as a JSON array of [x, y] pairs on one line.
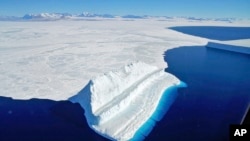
[[215, 32], [43, 120], [217, 95]]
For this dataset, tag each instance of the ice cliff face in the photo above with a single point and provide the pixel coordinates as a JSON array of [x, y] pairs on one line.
[[117, 103], [245, 49]]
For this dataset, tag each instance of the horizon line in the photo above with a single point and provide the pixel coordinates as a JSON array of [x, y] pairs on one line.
[[139, 15]]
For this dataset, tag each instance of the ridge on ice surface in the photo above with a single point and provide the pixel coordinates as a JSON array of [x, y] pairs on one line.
[[118, 103]]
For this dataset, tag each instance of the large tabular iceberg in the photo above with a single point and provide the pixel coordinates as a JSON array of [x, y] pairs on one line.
[[118, 103]]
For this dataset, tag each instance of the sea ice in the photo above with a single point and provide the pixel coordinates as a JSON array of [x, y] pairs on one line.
[[54, 60], [118, 103]]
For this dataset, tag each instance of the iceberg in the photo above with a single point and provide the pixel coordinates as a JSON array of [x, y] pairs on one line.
[[118, 103]]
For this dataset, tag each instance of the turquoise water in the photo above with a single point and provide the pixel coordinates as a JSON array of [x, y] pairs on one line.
[[167, 99]]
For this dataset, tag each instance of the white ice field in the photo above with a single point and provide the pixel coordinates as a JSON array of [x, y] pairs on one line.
[[56, 59]]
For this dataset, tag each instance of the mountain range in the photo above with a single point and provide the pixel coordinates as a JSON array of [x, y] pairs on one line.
[[89, 16]]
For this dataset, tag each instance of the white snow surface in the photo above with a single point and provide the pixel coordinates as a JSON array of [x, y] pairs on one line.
[[118, 103], [56, 59]]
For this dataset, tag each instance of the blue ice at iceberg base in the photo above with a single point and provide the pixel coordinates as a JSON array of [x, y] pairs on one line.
[[163, 106]]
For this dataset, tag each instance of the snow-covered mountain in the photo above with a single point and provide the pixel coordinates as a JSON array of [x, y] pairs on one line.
[[60, 16], [87, 15], [46, 16]]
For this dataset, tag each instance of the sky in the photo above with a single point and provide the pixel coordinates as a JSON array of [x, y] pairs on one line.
[[194, 8]]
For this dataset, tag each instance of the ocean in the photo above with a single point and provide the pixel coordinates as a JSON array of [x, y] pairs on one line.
[[217, 95]]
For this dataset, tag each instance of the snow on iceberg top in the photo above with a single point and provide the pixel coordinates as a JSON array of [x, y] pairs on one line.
[[117, 103], [106, 87]]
